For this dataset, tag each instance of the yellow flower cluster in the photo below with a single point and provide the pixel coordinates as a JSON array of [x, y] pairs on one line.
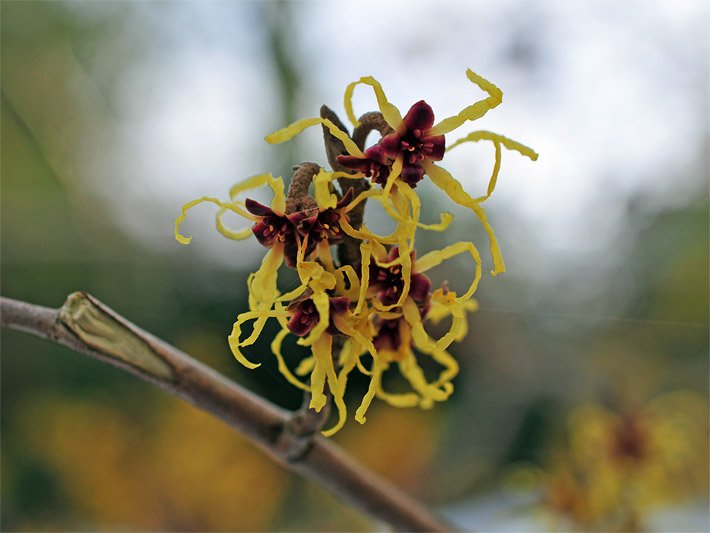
[[617, 467], [371, 311]]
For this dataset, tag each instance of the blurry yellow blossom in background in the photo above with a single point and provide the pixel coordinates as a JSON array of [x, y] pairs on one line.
[[618, 468], [186, 472]]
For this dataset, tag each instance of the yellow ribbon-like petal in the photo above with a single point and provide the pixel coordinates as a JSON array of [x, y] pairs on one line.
[[262, 284], [411, 370], [406, 399], [235, 344], [444, 222], [283, 368], [306, 366], [474, 111], [278, 205], [421, 338], [366, 255], [182, 239], [447, 183], [322, 353], [389, 111], [436, 257], [323, 191], [337, 390], [278, 202], [441, 308], [322, 303], [498, 141], [375, 380], [290, 131], [510, 144]]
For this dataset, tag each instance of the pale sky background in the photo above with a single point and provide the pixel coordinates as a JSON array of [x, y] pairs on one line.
[[608, 93]]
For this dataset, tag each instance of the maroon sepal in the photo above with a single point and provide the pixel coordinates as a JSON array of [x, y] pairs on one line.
[[419, 117], [305, 314], [375, 165], [325, 225], [388, 336], [388, 282], [414, 143]]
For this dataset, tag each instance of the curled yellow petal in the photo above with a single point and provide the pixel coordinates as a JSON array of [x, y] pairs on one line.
[[370, 193], [436, 257], [430, 393], [447, 183], [235, 344], [262, 284], [406, 399], [510, 144], [435, 349], [498, 141], [474, 111], [364, 234], [278, 205], [236, 235], [441, 309], [458, 324], [444, 222], [450, 364], [278, 202], [390, 113], [322, 303], [324, 256], [323, 191], [353, 290], [375, 379], [283, 368], [421, 338], [365, 254], [395, 172], [305, 367], [337, 390], [322, 353], [362, 368], [290, 131], [451, 368], [182, 239], [343, 325]]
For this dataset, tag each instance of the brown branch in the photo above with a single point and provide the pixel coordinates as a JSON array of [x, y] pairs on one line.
[[298, 198], [87, 326], [349, 248], [369, 122]]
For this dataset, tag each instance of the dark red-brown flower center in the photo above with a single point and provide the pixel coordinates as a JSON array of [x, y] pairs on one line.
[[388, 335], [292, 230], [388, 283], [375, 165], [412, 140], [325, 225], [630, 439], [305, 314]]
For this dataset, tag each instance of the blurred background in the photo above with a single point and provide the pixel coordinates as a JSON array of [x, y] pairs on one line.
[[582, 399]]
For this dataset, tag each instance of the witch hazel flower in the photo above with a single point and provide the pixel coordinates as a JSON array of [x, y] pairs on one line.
[[364, 301], [412, 141]]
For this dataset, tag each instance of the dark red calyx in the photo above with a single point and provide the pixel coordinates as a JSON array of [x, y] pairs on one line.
[[389, 282], [305, 314], [388, 335], [414, 142], [375, 165]]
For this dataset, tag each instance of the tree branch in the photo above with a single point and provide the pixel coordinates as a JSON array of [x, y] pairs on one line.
[[87, 326]]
